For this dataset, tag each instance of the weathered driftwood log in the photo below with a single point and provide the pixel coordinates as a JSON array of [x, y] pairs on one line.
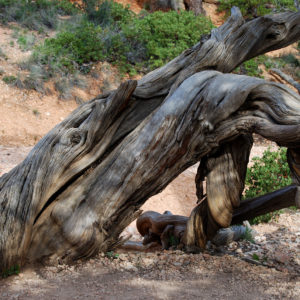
[[85, 181]]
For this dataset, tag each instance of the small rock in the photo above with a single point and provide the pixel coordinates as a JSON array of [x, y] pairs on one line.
[[130, 267], [260, 239], [281, 257], [186, 263], [147, 262], [247, 224], [123, 257], [233, 245], [239, 251], [206, 256]]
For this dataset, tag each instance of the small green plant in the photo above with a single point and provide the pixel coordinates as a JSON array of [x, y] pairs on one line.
[[36, 15], [14, 270], [70, 48], [112, 255], [107, 13], [255, 256], [36, 112], [173, 241], [10, 79], [268, 173], [251, 67], [248, 235], [27, 41]]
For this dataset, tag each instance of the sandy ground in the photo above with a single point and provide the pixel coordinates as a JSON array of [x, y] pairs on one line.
[[214, 274]]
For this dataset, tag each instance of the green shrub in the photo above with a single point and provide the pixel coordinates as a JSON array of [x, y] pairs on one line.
[[107, 13], [248, 236], [282, 5], [291, 59], [255, 8], [14, 270], [112, 255], [131, 42], [268, 173], [26, 41], [36, 15], [150, 41], [9, 79], [166, 35], [70, 48], [251, 67]]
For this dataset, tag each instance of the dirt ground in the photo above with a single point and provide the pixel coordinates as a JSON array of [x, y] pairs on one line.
[[228, 272], [170, 274]]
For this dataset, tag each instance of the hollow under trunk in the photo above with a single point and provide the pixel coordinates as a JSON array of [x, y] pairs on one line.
[[85, 181]]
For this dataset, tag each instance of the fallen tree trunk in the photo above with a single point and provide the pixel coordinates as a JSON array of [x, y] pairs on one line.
[[85, 181]]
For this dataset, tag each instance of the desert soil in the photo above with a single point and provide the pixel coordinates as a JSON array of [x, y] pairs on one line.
[[269, 268]]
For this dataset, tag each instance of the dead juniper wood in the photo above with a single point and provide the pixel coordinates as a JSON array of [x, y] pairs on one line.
[[85, 181]]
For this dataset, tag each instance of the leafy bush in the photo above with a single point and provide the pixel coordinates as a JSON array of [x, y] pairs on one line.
[[131, 42], [107, 13], [255, 8], [291, 59], [251, 67], [268, 173], [36, 15], [166, 35], [26, 41], [71, 48]]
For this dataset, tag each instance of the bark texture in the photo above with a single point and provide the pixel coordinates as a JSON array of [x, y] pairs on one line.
[[85, 181]]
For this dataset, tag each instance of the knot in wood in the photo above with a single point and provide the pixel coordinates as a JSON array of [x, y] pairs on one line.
[[73, 136], [276, 32]]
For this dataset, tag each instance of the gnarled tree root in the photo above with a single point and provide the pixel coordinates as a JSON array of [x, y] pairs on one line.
[[166, 228]]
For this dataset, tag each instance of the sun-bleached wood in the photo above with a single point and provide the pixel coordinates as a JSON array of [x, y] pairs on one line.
[[85, 181]]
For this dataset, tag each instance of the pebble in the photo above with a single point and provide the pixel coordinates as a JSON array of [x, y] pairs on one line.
[[282, 257], [239, 251]]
